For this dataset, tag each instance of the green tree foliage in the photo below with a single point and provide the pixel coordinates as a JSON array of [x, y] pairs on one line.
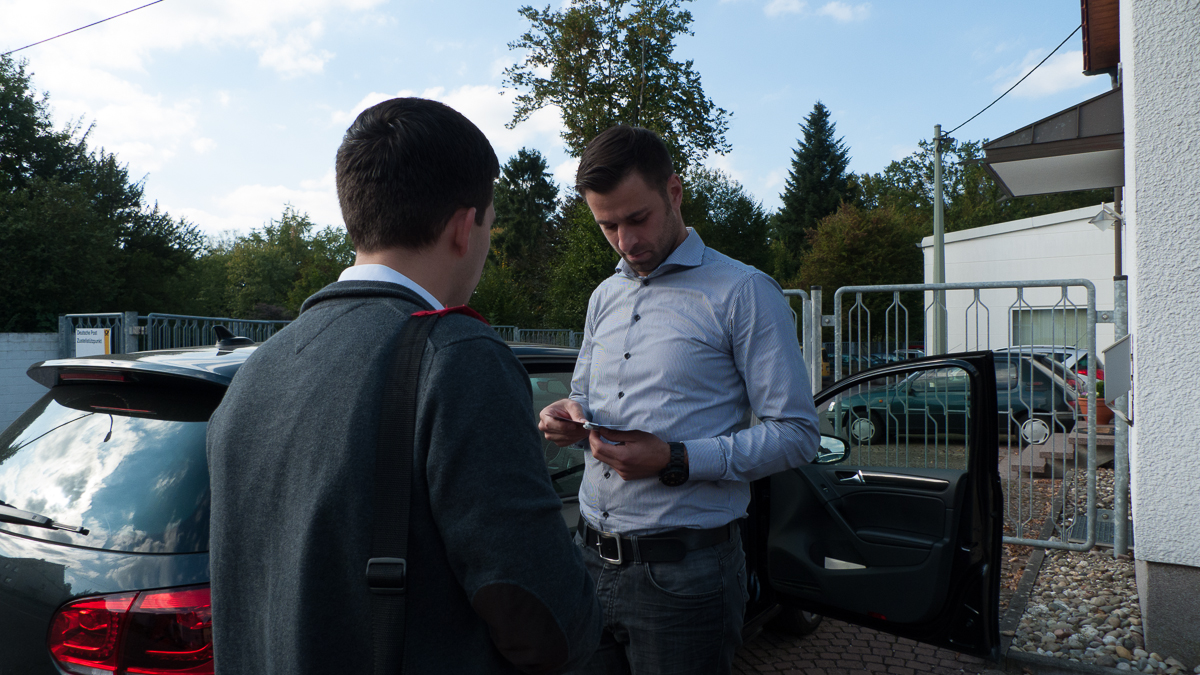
[[971, 197], [585, 259], [269, 273], [727, 217], [526, 198], [512, 288], [817, 182], [605, 62], [857, 247], [76, 234]]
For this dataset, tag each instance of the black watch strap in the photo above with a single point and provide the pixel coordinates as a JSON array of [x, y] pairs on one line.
[[675, 473]]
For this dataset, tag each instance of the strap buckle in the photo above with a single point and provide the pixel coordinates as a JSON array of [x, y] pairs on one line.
[[387, 576], [602, 537]]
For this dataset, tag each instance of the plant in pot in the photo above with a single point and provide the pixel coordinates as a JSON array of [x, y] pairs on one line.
[[1104, 414]]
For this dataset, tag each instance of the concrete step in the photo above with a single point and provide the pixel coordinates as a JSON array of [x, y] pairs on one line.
[[1027, 463]]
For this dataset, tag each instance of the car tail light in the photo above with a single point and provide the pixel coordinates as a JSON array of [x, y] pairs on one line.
[[91, 376], [151, 632]]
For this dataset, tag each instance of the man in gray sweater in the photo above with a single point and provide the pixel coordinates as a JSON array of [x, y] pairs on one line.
[[494, 583]]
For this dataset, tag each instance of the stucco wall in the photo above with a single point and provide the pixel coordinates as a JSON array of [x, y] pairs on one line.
[[18, 351], [1162, 138], [1054, 246]]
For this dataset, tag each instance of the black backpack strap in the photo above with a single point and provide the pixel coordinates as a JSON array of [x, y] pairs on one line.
[[387, 567]]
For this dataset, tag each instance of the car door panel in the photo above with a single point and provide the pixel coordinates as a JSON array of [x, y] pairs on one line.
[[904, 536]]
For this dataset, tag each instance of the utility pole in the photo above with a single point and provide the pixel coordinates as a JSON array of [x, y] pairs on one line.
[[939, 249]]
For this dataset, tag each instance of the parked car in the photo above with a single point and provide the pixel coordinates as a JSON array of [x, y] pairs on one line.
[[104, 523], [1033, 399], [1073, 358]]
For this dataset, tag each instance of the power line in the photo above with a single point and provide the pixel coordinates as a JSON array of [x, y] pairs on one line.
[[80, 28], [1039, 65]]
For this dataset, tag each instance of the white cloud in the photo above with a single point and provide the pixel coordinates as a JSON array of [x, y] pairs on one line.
[[96, 74], [781, 7], [251, 206], [203, 145], [844, 12], [294, 55], [564, 174], [488, 107], [1060, 73]]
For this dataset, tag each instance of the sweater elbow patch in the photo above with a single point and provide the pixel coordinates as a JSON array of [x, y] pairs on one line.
[[522, 627]]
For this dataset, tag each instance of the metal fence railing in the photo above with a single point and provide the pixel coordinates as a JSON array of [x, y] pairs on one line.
[[1044, 336], [172, 331]]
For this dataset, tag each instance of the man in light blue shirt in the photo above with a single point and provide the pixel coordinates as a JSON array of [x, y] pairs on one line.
[[680, 347]]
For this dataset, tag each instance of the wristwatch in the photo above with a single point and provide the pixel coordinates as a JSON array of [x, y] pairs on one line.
[[675, 473]]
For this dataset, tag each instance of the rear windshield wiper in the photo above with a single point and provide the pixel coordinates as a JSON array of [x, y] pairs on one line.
[[10, 514]]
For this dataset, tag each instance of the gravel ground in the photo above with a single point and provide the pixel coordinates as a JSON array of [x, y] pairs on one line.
[[1084, 608]]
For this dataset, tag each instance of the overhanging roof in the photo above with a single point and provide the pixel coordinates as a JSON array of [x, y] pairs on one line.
[[1080, 148]]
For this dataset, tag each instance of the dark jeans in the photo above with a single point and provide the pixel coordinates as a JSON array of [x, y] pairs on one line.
[[670, 617]]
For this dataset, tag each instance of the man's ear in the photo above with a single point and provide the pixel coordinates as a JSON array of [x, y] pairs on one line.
[[675, 190], [459, 230]]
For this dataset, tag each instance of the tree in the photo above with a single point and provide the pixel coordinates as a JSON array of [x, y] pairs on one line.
[[605, 62], [856, 247], [512, 288], [584, 260], [817, 183], [269, 273], [971, 197], [526, 198], [76, 235], [727, 217]]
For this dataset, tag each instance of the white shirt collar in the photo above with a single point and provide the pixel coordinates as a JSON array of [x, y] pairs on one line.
[[385, 273]]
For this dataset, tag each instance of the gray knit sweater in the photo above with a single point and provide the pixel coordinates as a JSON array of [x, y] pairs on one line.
[[494, 582]]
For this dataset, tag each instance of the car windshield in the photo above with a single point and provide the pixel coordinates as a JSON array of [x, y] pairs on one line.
[[125, 461]]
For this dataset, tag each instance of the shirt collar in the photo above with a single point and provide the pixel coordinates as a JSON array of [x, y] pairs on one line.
[[690, 253], [374, 272]]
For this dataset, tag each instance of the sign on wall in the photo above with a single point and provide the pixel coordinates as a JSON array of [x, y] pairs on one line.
[[93, 341]]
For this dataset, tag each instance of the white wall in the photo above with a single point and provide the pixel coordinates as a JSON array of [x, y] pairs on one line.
[[1054, 246], [18, 351], [1161, 70]]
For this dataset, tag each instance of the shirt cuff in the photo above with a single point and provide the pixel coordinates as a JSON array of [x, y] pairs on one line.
[[706, 459]]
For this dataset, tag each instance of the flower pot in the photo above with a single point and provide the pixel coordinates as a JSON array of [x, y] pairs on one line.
[[1104, 414]]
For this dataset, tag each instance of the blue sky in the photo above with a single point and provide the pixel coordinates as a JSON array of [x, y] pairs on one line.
[[230, 109]]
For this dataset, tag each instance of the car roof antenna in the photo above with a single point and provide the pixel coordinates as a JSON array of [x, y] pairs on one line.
[[227, 340]]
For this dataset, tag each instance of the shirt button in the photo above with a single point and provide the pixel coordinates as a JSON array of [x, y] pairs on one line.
[[608, 474], [626, 355], [605, 514], [637, 317], [620, 394], [645, 282]]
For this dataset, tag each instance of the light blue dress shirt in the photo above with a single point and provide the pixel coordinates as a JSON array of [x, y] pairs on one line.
[[687, 353]]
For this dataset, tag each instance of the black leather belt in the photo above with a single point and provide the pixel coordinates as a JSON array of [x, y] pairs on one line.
[[670, 546]]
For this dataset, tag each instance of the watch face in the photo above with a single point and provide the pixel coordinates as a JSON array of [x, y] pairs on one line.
[[673, 477]]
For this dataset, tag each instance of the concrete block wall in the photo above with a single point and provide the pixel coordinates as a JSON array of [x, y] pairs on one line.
[[18, 351]]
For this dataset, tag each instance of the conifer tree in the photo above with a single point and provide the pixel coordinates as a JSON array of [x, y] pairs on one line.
[[817, 183]]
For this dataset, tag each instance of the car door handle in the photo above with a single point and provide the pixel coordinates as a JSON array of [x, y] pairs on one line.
[[891, 480]]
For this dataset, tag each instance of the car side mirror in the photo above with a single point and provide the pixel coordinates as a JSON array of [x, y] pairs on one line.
[[833, 450]]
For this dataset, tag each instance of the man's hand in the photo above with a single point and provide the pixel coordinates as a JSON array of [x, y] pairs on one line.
[[561, 432], [640, 454]]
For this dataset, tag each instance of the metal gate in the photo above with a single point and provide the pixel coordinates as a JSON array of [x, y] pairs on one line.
[[1049, 460]]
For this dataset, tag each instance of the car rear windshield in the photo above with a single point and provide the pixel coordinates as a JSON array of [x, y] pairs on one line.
[[126, 461]]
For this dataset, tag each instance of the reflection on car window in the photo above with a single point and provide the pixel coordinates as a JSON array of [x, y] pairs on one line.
[[565, 464], [920, 421], [126, 462]]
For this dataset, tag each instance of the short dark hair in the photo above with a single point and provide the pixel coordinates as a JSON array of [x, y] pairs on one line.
[[617, 152], [405, 166]]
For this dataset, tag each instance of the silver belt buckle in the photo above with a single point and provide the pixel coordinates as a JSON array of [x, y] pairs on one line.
[[600, 537]]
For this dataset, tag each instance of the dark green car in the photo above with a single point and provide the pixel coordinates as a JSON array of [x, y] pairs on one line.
[[1033, 400]]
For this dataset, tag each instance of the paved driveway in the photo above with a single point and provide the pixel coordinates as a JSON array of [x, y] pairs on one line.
[[838, 648]]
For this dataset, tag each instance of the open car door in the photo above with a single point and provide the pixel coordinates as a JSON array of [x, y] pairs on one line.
[[898, 526]]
